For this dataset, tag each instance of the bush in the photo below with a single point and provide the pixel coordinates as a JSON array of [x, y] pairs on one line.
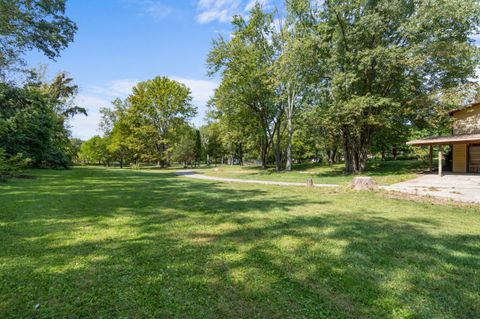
[[12, 166]]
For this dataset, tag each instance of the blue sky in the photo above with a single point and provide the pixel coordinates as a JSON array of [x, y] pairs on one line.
[[122, 42]]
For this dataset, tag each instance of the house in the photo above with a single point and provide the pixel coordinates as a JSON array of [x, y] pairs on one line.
[[465, 141]]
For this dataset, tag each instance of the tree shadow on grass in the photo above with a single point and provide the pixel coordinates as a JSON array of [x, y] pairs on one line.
[[346, 266], [150, 245]]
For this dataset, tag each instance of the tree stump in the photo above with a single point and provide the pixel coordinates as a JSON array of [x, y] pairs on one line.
[[363, 183], [310, 182]]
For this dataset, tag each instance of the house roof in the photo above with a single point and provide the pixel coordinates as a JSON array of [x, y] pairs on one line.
[[464, 108], [445, 140]]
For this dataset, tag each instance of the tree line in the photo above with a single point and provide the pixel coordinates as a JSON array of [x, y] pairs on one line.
[[327, 81], [331, 81], [342, 79], [150, 125], [34, 111]]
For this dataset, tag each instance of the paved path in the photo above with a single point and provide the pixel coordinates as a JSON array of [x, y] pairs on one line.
[[192, 174], [462, 188]]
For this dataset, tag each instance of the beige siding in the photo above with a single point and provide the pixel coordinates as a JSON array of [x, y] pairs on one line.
[[459, 158], [467, 121]]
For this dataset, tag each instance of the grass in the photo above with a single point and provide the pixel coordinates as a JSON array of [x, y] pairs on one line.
[[384, 173], [111, 243]]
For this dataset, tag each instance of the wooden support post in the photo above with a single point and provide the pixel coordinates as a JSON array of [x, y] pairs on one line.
[[430, 160], [440, 160]]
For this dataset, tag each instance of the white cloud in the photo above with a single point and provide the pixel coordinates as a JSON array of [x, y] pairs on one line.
[[83, 126], [217, 10], [152, 8], [115, 88], [224, 10], [93, 98], [202, 91], [156, 10]]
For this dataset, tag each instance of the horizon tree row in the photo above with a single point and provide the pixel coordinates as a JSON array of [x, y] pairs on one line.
[[150, 125]]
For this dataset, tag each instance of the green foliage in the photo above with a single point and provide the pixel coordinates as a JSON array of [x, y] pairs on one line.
[[117, 127], [13, 165], [185, 150], [33, 128], [158, 109], [32, 122], [29, 24], [357, 70], [74, 151], [198, 149], [94, 150], [244, 101], [212, 143], [391, 59], [147, 126]]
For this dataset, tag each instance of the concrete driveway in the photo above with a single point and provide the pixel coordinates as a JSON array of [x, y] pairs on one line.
[[462, 188]]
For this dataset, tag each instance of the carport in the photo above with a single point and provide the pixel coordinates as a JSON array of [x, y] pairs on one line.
[[465, 152]]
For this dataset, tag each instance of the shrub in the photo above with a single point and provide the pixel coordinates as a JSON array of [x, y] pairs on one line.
[[13, 165]]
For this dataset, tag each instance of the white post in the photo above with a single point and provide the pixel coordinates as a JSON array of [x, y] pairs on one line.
[[440, 158]]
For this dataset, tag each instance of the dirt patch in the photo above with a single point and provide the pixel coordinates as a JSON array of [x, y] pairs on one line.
[[202, 237]]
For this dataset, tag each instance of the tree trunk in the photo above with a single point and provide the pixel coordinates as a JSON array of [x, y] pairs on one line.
[[331, 155], [278, 154], [288, 165], [240, 154], [350, 166], [334, 154], [289, 114], [264, 153], [356, 149]]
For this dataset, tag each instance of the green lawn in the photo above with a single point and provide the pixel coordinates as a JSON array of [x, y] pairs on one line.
[[111, 243], [384, 173]]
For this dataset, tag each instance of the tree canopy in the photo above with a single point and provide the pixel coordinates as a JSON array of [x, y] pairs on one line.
[[32, 24], [360, 68]]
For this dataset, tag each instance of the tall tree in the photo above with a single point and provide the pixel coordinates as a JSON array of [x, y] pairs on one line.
[[94, 150], [391, 58], [33, 121], [198, 147], [158, 106], [294, 63], [211, 135], [245, 63]]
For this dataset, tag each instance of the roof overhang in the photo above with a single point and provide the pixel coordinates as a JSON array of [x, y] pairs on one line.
[[446, 140], [464, 108]]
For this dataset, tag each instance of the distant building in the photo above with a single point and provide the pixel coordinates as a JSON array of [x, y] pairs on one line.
[[465, 141]]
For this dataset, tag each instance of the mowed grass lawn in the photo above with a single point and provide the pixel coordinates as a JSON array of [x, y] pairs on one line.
[[383, 172], [111, 243]]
